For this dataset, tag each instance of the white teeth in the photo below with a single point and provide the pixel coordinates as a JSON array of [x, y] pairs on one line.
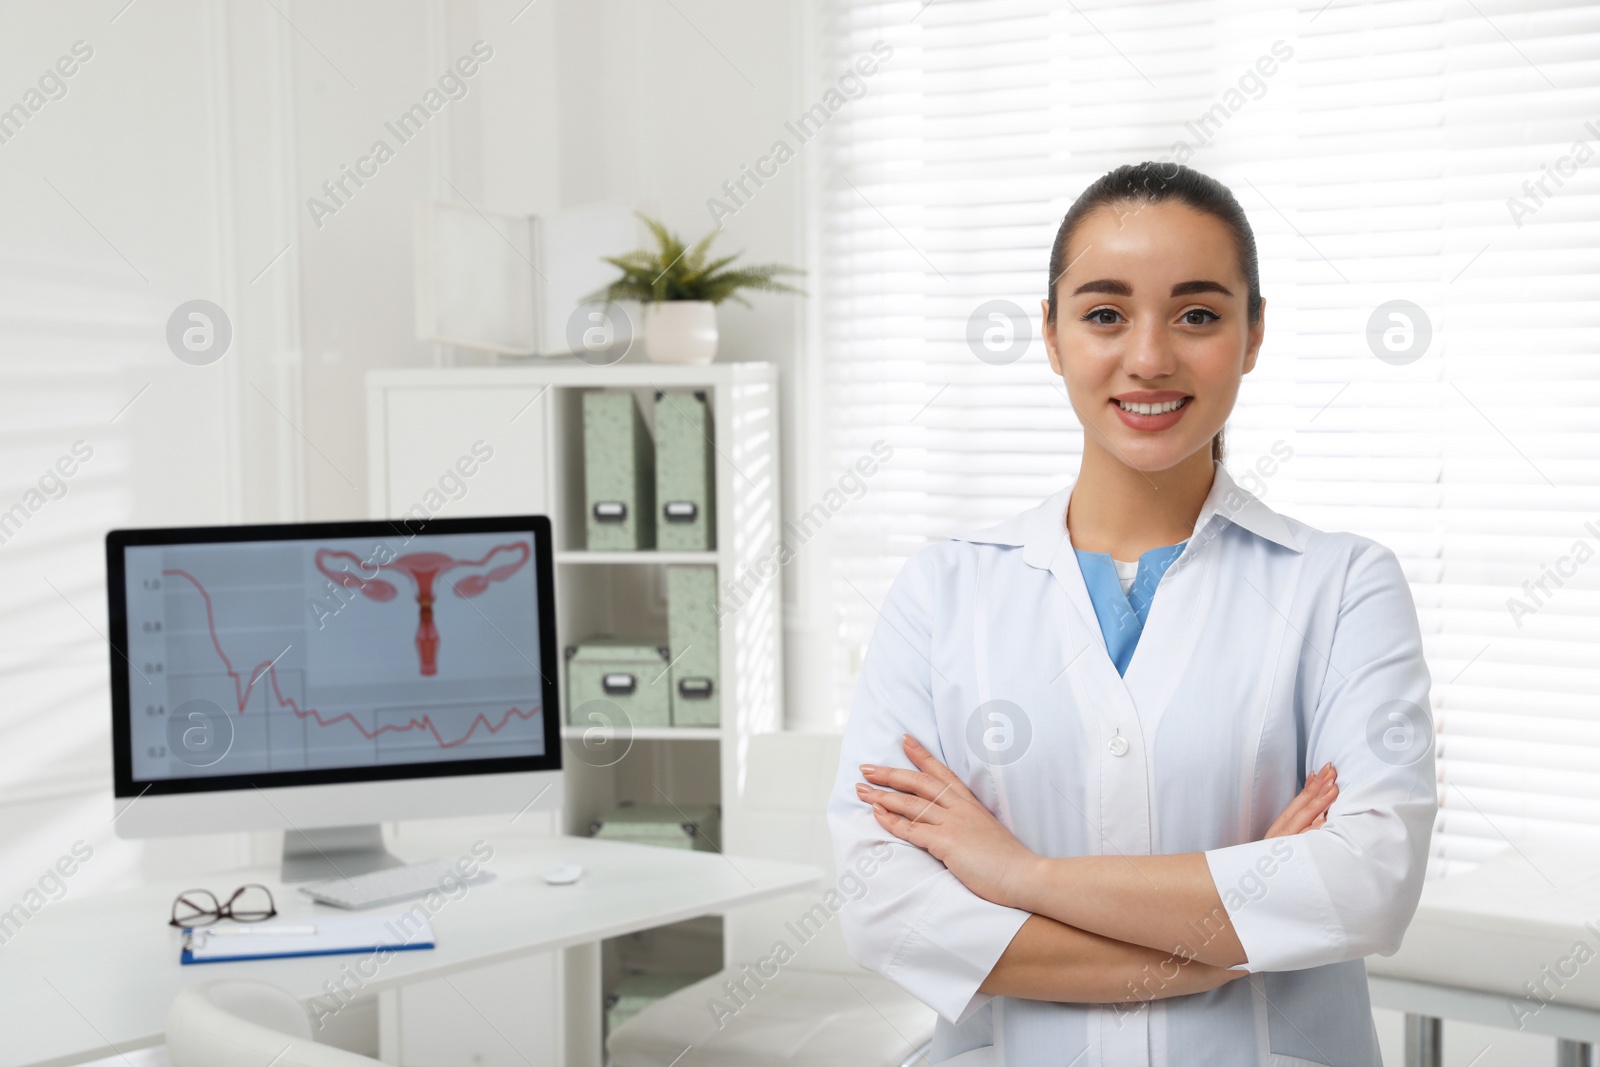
[[1151, 409]]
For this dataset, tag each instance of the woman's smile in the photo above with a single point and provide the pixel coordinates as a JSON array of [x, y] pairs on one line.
[[1151, 412]]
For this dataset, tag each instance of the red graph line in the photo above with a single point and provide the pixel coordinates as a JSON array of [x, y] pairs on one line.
[[243, 689]]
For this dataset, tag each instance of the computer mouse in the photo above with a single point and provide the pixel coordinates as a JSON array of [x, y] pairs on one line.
[[562, 874]]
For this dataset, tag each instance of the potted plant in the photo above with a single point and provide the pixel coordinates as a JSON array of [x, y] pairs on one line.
[[680, 288]]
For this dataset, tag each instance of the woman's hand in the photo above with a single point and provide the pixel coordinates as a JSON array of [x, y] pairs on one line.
[[934, 810], [1309, 809]]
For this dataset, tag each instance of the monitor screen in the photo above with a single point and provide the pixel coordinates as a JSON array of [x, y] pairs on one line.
[[338, 652]]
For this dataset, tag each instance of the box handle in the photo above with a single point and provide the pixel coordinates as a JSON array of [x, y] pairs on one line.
[[680, 511], [618, 683], [610, 511], [694, 688]]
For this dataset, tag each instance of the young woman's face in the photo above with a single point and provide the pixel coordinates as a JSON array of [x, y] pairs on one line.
[[1152, 333]]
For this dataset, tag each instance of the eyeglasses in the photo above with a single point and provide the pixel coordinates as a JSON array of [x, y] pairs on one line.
[[199, 907]]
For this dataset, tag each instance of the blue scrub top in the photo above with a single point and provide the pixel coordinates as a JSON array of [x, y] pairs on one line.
[[1122, 616]]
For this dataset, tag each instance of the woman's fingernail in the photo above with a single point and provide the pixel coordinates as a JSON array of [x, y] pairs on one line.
[[867, 768], [861, 787]]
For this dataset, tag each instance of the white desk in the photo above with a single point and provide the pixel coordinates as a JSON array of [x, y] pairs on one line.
[[89, 978], [1478, 937]]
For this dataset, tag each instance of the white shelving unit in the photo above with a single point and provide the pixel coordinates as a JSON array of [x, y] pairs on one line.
[[428, 428]]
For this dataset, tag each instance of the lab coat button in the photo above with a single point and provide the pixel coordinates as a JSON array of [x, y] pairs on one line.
[[1118, 746]]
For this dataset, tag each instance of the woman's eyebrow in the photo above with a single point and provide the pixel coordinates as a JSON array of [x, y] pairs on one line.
[[1113, 286], [1118, 287], [1202, 286]]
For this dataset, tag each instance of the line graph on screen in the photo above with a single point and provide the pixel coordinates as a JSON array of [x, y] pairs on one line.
[[244, 686]]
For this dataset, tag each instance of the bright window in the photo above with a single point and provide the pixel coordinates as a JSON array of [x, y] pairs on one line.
[[1443, 155]]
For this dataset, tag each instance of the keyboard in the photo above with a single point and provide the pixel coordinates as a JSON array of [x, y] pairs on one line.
[[392, 884]]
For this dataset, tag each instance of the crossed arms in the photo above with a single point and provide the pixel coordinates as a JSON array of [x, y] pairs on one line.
[[1102, 929]]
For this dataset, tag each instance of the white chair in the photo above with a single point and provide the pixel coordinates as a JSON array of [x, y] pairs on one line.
[[239, 1023], [820, 1009]]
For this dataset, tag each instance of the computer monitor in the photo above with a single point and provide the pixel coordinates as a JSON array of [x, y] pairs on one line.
[[323, 678]]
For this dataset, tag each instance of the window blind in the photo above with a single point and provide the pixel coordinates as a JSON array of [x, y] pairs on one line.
[[1442, 156]]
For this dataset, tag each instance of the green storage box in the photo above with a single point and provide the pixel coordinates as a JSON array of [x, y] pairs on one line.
[[692, 642], [619, 476], [688, 826], [631, 675], [685, 493], [638, 991]]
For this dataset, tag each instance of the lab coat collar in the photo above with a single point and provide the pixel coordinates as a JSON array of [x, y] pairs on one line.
[[1039, 530]]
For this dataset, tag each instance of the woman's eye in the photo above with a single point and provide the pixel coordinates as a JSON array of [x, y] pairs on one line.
[[1102, 317], [1199, 316]]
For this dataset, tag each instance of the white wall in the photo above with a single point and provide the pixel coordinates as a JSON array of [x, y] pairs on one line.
[[178, 165], [182, 157], [582, 102], [112, 217]]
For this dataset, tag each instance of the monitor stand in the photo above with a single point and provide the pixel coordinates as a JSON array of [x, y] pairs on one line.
[[334, 852]]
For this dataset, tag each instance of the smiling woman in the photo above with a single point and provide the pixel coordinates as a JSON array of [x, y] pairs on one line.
[[1130, 740], [1190, 208]]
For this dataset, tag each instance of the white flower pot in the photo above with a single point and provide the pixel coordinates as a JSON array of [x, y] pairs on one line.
[[680, 331]]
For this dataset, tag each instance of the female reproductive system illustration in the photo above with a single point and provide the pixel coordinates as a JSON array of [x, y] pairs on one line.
[[424, 568]]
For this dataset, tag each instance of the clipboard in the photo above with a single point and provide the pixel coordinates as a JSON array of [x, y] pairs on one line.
[[335, 936]]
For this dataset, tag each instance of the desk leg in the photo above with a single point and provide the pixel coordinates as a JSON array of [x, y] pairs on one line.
[[389, 1026], [1574, 1054], [584, 1018], [1424, 1041]]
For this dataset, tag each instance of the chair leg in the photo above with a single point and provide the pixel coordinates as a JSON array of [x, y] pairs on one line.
[[920, 1055], [1574, 1054], [1424, 1041]]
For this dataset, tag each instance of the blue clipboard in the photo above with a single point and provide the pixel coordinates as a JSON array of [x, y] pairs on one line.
[[340, 935]]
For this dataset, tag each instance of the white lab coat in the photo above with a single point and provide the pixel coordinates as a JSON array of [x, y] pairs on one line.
[[1270, 648]]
